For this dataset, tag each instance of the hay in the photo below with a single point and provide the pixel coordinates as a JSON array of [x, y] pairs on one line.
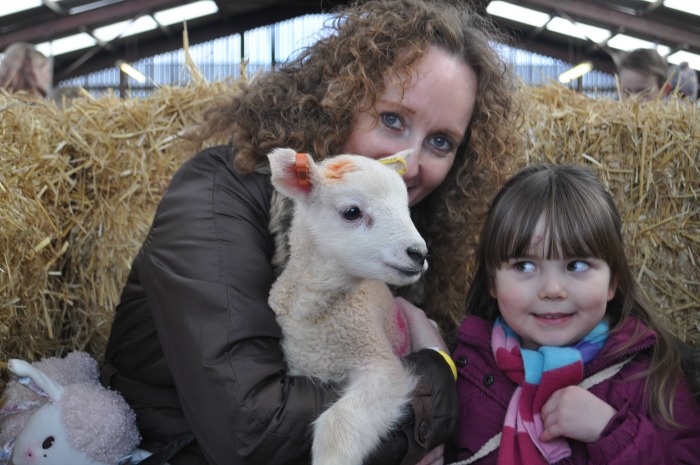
[[80, 202], [34, 189], [126, 151], [79, 188], [649, 157]]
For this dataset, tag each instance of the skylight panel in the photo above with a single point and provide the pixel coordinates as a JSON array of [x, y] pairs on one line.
[[185, 12], [8, 7], [66, 44], [125, 28], [517, 13], [677, 58], [578, 30], [629, 43], [686, 6]]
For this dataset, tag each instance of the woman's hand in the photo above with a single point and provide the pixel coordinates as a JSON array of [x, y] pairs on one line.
[[424, 332], [575, 413], [434, 457]]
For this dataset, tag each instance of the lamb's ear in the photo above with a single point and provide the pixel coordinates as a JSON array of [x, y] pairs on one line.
[[293, 174], [23, 369], [398, 162]]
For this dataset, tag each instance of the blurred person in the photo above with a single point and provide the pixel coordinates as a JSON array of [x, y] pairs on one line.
[[643, 73], [25, 69], [684, 79]]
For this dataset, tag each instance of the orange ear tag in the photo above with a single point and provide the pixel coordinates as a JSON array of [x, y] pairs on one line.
[[302, 168]]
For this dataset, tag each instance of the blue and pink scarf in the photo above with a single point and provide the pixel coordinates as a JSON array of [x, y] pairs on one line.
[[538, 373]]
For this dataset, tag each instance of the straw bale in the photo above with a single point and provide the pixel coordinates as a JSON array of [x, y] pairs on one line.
[[125, 152], [79, 188], [35, 184], [649, 156]]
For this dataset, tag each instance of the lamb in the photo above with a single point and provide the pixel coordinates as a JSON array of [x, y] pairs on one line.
[[351, 234]]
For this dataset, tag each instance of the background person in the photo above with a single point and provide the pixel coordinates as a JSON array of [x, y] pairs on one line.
[[25, 69], [642, 73]]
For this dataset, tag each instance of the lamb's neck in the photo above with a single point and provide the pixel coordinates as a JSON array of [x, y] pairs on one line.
[[319, 276]]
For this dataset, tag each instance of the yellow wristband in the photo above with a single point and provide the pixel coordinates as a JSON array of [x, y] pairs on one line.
[[449, 361]]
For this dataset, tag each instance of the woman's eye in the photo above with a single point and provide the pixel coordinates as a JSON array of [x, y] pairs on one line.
[[577, 266], [525, 267], [392, 120], [441, 143], [352, 213]]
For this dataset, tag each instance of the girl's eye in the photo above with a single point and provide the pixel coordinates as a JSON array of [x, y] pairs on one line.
[[392, 120], [577, 266], [525, 267], [352, 213]]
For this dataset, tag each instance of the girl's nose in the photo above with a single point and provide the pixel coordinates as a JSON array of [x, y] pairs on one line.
[[553, 289]]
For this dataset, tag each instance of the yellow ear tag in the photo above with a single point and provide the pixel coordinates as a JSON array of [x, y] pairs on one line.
[[392, 160]]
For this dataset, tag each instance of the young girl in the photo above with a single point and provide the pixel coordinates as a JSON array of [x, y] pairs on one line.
[[559, 360]]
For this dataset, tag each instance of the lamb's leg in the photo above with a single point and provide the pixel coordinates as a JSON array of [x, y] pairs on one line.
[[370, 406]]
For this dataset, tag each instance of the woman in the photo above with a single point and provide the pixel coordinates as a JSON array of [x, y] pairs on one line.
[[194, 346], [25, 69]]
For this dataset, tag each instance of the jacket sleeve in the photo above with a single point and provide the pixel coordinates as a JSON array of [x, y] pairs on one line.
[[205, 272], [632, 438]]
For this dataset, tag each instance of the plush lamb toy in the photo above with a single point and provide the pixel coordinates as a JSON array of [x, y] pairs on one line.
[[351, 234], [56, 413]]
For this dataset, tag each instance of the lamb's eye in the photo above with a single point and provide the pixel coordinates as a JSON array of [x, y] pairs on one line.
[[48, 442], [352, 213]]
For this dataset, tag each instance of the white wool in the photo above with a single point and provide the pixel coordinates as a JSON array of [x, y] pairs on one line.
[[332, 302]]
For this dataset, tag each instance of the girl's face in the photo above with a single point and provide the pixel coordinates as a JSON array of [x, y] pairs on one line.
[[429, 115], [553, 302]]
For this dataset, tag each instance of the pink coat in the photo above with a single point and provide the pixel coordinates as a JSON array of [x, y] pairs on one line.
[[629, 438]]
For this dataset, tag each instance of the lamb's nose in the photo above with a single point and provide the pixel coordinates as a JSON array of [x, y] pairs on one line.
[[417, 253]]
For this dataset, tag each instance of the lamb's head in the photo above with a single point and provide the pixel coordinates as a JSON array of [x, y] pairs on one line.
[[354, 211]]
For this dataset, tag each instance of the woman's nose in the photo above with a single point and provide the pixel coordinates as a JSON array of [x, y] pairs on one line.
[[413, 165]]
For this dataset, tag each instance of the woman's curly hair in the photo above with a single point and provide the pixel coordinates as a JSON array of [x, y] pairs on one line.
[[309, 104]]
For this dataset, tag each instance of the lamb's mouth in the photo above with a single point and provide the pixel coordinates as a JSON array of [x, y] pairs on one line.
[[408, 272]]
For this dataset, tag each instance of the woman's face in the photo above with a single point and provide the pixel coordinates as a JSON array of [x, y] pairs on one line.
[[429, 114]]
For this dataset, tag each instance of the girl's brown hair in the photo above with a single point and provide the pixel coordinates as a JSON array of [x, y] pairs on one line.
[[581, 220], [310, 102]]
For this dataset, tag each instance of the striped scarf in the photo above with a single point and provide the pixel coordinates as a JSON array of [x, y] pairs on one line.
[[538, 373]]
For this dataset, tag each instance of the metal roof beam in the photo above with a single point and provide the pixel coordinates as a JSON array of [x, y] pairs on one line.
[[583, 10], [72, 23], [101, 59]]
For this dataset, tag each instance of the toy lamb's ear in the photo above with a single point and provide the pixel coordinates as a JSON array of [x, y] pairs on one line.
[[21, 368], [293, 174], [398, 162]]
